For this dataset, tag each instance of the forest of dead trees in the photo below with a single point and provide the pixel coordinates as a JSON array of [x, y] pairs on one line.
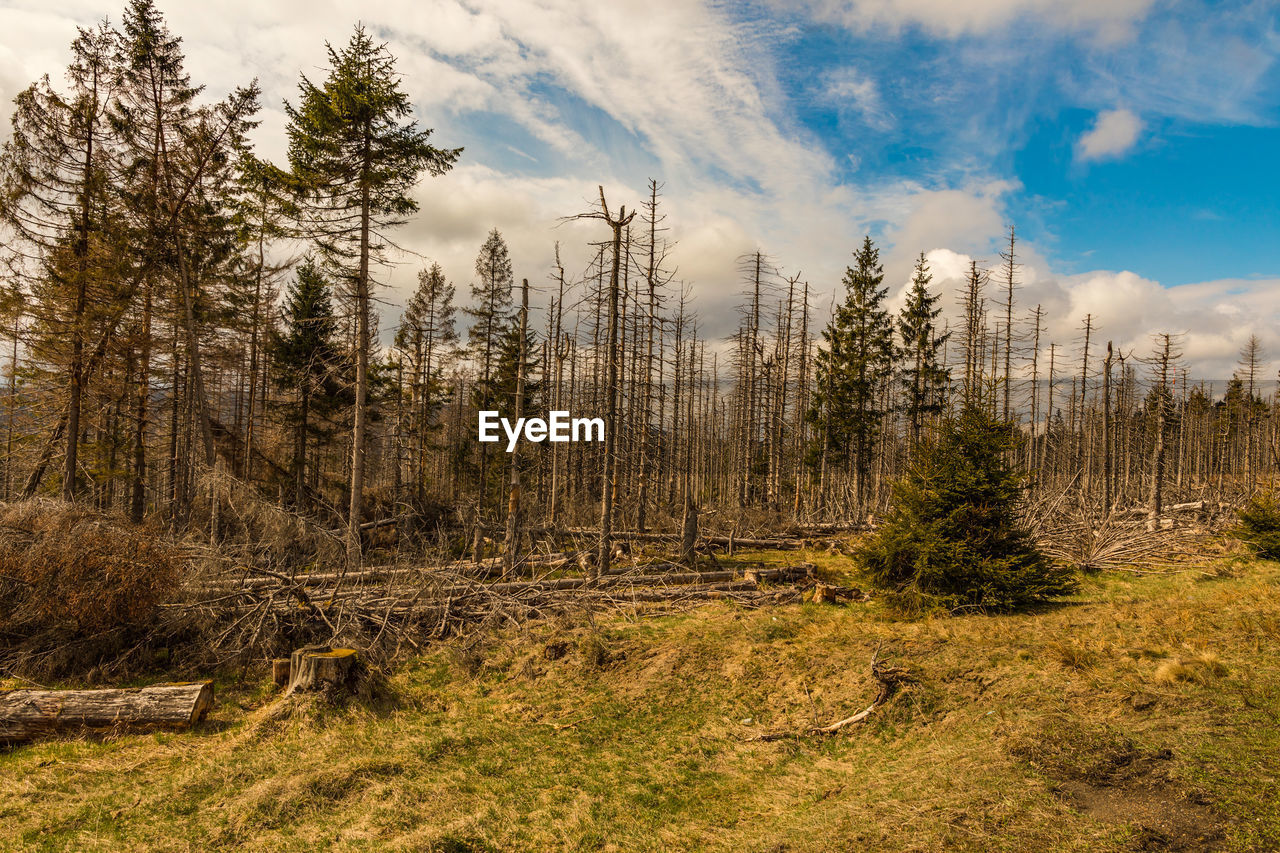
[[178, 312]]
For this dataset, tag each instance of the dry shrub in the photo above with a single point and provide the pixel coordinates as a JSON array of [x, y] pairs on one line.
[[256, 529], [69, 576]]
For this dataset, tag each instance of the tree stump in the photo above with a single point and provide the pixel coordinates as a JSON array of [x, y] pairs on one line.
[[280, 671], [319, 667], [25, 714]]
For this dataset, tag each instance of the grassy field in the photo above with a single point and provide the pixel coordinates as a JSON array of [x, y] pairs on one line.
[[1142, 714]]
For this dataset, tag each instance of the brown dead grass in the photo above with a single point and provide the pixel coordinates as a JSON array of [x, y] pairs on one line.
[[638, 733]]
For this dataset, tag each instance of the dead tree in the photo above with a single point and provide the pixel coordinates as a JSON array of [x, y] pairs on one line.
[[512, 541], [616, 224]]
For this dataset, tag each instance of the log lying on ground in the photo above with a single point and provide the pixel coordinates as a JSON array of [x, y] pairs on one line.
[[1142, 512], [770, 544], [824, 593], [27, 714]]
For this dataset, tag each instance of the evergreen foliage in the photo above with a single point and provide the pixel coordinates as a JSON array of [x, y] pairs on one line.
[[1260, 525], [426, 335], [923, 377], [306, 360], [356, 155], [492, 315], [858, 352], [955, 537]]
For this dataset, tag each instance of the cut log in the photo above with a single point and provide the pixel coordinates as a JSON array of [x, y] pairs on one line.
[[318, 667], [26, 714], [824, 593], [280, 671]]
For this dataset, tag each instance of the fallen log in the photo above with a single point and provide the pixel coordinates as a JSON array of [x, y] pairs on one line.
[[27, 714], [771, 544]]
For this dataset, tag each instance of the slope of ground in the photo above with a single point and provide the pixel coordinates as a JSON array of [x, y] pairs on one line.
[[1143, 714]]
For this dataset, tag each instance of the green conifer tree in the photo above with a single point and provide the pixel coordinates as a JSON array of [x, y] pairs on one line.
[[355, 155], [57, 171], [955, 535], [924, 379], [851, 367], [306, 360], [491, 318], [427, 334]]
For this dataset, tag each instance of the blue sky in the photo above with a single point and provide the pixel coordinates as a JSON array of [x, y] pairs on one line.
[[1193, 196], [1132, 142]]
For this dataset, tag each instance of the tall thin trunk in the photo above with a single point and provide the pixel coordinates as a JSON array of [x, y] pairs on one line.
[[359, 428], [512, 542]]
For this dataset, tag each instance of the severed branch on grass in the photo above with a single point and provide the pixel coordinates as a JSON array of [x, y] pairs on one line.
[[890, 678]]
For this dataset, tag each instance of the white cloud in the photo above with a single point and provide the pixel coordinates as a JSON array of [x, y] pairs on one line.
[[1213, 320], [1109, 20], [1113, 133], [613, 93]]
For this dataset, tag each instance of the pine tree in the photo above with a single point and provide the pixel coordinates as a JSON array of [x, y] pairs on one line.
[[306, 360], [924, 378], [955, 536], [507, 366], [426, 335], [181, 163], [851, 367], [356, 155], [58, 174], [491, 318]]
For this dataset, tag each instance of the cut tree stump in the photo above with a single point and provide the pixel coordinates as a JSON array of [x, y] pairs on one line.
[[280, 672], [316, 667], [26, 714]]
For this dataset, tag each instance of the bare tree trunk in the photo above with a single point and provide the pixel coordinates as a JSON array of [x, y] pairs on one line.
[[611, 390], [356, 508], [512, 541]]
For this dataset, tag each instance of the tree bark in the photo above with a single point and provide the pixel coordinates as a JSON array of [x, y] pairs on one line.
[[26, 714]]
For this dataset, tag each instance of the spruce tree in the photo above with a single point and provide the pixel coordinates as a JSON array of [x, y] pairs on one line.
[[923, 376], [851, 367], [955, 536], [180, 166], [59, 169], [427, 334], [356, 155], [305, 359], [491, 319]]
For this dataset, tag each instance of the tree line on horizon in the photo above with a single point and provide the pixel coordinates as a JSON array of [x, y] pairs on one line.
[[180, 312]]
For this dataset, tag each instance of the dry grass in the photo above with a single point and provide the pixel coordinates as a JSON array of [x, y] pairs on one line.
[[1048, 730]]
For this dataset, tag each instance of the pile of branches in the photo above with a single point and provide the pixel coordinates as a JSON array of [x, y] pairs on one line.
[[252, 613], [80, 591], [1089, 539], [88, 596]]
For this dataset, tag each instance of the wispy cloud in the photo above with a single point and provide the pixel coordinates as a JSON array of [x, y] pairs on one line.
[[1109, 20], [552, 97]]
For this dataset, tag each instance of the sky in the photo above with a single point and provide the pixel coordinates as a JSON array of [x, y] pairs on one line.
[[1132, 143]]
